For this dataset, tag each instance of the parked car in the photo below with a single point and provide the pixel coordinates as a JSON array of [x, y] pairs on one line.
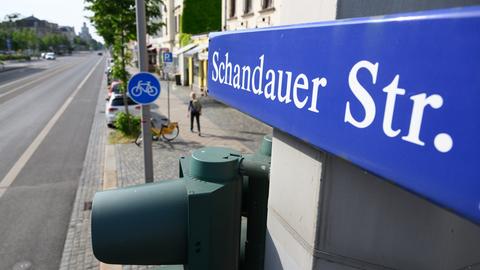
[[110, 62], [50, 56], [42, 55], [115, 105], [114, 88]]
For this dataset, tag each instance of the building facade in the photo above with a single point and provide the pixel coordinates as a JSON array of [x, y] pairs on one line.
[[248, 14], [85, 33], [69, 32], [40, 27]]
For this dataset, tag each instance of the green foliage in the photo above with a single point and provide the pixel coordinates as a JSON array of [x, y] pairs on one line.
[[185, 39], [24, 39], [114, 18], [4, 57], [122, 124], [115, 21], [54, 42], [27, 39], [201, 16]]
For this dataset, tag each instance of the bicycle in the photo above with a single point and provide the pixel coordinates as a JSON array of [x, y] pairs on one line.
[[144, 87], [168, 131]]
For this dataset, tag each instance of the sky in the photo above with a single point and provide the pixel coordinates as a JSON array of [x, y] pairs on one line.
[[62, 12]]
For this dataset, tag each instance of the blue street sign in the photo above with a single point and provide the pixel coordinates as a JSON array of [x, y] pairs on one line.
[[167, 57], [9, 44], [144, 88], [397, 95]]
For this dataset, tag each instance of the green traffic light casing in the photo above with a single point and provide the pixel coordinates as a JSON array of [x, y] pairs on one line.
[[256, 171], [193, 221]]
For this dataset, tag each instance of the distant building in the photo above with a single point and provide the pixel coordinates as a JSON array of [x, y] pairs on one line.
[[85, 33], [40, 27], [69, 32]]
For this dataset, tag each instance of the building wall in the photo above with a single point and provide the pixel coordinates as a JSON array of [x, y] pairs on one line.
[[326, 213], [282, 12], [294, 12], [365, 218], [364, 8], [256, 18]]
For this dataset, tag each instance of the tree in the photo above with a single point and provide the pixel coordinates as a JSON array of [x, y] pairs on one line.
[[55, 42], [115, 21], [12, 17], [24, 39]]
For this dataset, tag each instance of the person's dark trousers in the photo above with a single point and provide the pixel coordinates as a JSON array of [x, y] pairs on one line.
[[197, 117]]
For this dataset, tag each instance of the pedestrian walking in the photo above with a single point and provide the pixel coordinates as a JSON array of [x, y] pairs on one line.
[[195, 110]]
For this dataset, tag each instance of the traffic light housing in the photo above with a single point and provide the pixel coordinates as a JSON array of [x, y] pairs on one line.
[[193, 221]]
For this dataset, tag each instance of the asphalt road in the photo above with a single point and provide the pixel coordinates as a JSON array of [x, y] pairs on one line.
[[46, 112]]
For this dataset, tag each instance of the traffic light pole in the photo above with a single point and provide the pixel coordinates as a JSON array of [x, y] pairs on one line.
[[142, 62]]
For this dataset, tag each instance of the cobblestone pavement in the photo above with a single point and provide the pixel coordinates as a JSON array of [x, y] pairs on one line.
[[77, 253], [221, 126]]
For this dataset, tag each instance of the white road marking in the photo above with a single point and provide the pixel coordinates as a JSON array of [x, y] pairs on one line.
[[18, 166]]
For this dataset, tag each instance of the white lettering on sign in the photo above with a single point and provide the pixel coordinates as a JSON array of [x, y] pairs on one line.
[[442, 142], [362, 95], [284, 86], [268, 83]]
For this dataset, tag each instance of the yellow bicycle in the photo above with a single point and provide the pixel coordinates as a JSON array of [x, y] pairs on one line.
[[168, 131]]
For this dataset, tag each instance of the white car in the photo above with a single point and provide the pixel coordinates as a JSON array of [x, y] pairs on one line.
[[50, 56], [115, 105]]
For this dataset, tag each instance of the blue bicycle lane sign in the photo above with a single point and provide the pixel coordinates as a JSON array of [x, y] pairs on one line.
[[143, 88]]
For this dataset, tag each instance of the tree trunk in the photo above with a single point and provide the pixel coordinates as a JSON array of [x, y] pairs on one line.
[[125, 85]]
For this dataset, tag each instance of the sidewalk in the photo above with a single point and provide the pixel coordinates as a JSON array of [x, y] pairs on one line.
[[121, 165]]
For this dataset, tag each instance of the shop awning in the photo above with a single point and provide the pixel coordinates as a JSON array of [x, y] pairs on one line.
[[197, 49], [184, 49]]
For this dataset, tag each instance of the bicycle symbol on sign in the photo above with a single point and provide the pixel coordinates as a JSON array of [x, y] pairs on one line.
[[144, 88]]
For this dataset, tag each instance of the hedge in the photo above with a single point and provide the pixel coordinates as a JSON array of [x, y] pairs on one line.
[[4, 57], [201, 16]]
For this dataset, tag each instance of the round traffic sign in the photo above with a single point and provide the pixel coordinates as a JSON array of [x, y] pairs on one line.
[[144, 88]]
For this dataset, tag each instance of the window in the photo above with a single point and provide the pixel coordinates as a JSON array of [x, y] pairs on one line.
[[232, 8], [267, 4], [247, 6], [117, 89], [177, 24], [118, 101]]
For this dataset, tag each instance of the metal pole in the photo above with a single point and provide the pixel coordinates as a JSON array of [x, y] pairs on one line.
[[168, 98], [142, 63]]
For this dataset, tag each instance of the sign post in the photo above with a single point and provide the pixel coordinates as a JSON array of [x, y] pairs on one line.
[[142, 63], [9, 44], [167, 66]]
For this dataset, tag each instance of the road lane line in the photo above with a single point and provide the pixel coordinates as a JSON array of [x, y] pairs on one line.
[[25, 157], [63, 68]]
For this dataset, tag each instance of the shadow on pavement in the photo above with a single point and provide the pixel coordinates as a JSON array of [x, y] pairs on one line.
[[177, 144], [226, 137]]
